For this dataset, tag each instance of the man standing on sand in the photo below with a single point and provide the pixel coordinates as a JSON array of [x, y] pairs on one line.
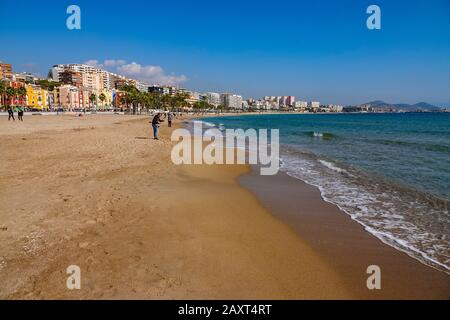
[[10, 114], [155, 124], [20, 114]]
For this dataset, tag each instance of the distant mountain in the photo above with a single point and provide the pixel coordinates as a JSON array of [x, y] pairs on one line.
[[381, 105], [425, 106]]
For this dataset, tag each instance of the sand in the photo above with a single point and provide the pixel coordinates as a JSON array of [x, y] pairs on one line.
[[96, 192], [344, 243]]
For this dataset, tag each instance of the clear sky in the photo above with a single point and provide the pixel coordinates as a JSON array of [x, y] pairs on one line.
[[315, 50]]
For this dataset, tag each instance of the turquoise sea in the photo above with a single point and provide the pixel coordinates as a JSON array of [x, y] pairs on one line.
[[389, 172]]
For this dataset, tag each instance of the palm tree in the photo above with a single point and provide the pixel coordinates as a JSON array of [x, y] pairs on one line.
[[127, 99], [92, 99], [132, 95], [180, 100], [143, 100], [2, 93], [10, 93], [165, 101], [156, 100], [173, 102], [21, 92], [102, 98], [202, 106]]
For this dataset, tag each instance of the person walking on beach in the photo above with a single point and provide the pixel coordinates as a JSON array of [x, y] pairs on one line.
[[10, 114], [169, 119], [20, 114], [155, 124]]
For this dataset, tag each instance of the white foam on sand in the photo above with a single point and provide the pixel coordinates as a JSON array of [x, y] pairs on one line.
[[376, 212]]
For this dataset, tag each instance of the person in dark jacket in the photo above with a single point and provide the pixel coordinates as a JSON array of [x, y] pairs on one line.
[[20, 113], [10, 114], [169, 119], [155, 124]]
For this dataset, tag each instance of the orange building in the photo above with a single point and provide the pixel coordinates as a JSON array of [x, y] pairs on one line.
[[5, 71], [118, 100]]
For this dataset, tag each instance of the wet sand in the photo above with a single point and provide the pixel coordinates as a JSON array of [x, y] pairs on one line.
[[344, 243]]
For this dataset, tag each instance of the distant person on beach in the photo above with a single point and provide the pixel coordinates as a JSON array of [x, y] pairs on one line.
[[169, 119], [20, 114], [155, 124], [10, 114]]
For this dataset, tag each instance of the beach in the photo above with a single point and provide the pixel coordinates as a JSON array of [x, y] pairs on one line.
[[97, 192], [344, 243]]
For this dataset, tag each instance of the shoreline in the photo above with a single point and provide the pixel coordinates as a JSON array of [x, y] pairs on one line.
[[429, 281], [343, 242], [103, 195], [388, 238]]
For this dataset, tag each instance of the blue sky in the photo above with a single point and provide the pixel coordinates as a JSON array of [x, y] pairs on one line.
[[315, 50]]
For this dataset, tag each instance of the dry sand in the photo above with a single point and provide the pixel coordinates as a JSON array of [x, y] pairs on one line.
[[96, 192]]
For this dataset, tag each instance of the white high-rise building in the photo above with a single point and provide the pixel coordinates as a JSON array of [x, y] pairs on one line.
[[141, 86], [213, 98], [92, 78], [314, 105], [108, 80], [300, 105], [56, 70], [335, 108], [231, 101]]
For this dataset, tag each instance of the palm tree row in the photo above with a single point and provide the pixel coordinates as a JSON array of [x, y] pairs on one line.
[[9, 94], [135, 99]]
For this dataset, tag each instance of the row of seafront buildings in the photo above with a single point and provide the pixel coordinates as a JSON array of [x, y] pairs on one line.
[[68, 87], [268, 103], [80, 82], [77, 87], [85, 87], [285, 103]]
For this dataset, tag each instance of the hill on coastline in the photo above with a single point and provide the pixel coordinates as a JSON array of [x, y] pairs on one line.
[[420, 106]]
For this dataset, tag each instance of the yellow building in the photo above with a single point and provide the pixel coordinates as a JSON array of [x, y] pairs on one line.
[[37, 98], [107, 103]]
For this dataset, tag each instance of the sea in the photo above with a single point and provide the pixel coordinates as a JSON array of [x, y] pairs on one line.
[[389, 172]]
